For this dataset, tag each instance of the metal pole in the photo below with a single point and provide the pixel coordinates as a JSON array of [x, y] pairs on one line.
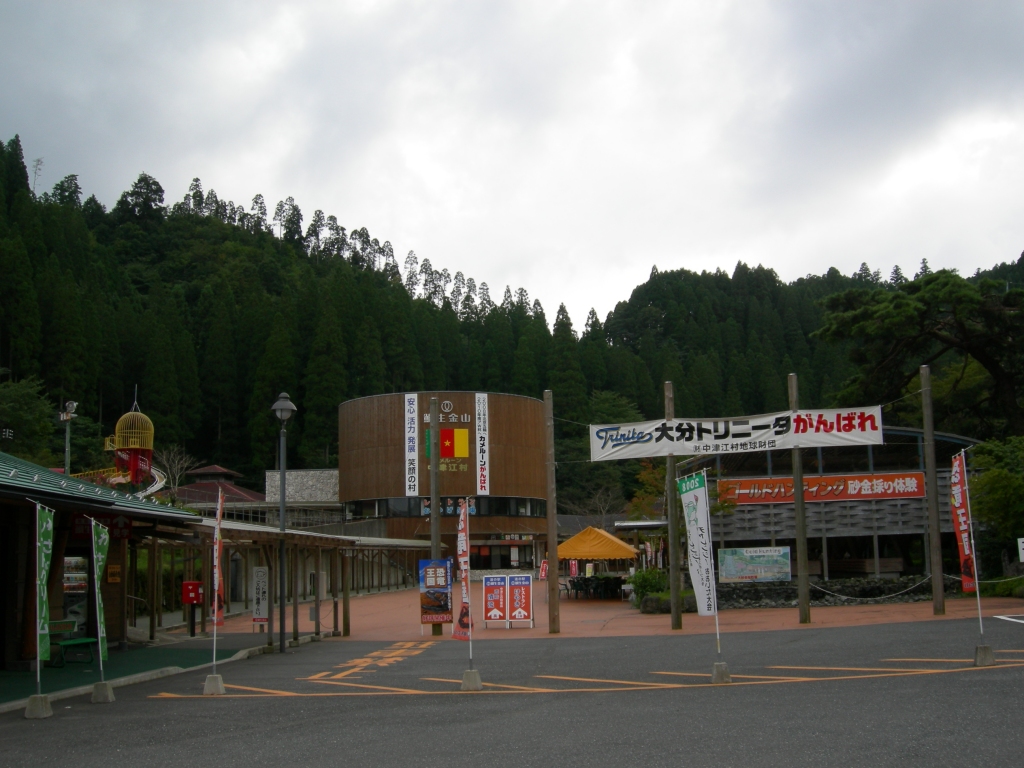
[[802, 580], [932, 493], [554, 623], [335, 558], [436, 630], [67, 448], [672, 512], [296, 570], [318, 562], [346, 589], [281, 461]]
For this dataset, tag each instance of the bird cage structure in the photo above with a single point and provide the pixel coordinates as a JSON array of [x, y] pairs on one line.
[[133, 446]]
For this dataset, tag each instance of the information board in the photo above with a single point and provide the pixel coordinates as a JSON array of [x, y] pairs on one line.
[[261, 595], [495, 599], [754, 564], [435, 591], [520, 598]]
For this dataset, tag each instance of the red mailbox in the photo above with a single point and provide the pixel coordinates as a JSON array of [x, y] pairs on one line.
[[192, 592]]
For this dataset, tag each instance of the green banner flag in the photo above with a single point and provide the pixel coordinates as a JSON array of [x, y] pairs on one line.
[[44, 553], [100, 545]]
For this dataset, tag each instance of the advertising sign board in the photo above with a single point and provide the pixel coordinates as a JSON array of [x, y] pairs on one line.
[[261, 595], [435, 591], [520, 600], [754, 564], [850, 487], [959, 506], [694, 495], [495, 598], [544, 565]]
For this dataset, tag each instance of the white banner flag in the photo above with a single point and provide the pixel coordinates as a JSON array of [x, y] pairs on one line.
[[694, 494], [483, 447], [411, 441], [765, 432]]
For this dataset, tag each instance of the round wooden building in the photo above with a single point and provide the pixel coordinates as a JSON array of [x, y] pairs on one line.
[[491, 458]]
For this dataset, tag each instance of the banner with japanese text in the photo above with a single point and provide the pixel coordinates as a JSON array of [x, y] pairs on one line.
[[520, 598], [435, 591], [100, 546], [261, 594], [411, 441], [462, 629], [495, 598], [693, 493], [960, 506], [765, 432], [846, 487], [218, 560], [482, 449], [44, 553]]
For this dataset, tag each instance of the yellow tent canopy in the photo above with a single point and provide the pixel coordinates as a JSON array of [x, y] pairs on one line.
[[595, 544]]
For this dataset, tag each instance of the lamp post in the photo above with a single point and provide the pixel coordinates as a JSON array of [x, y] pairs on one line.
[[283, 409], [66, 416]]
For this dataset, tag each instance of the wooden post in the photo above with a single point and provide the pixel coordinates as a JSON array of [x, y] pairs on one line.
[[207, 556], [335, 566], [133, 579], [672, 513], [346, 579], [159, 557], [151, 572], [245, 577], [554, 623], [802, 580], [295, 594], [267, 551], [932, 493], [436, 630], [317, 563]]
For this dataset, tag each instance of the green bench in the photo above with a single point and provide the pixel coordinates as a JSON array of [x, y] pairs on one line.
[[64, 627]]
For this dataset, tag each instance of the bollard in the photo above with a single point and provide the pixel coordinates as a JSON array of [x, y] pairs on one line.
[[471, 680], [720, 675], [103, 693], [38, 707], [214, 686], [983, 656]]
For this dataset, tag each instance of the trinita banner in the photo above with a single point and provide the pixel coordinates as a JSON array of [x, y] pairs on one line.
[[764, 432]]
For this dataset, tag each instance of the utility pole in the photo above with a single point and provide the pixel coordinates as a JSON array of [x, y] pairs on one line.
[[931, 489], [554, 623], [803, 585], [672, 513], [436, 630], [66, 416]]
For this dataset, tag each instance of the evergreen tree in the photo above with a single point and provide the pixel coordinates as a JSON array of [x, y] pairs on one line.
[[275, 374], [326, 385]]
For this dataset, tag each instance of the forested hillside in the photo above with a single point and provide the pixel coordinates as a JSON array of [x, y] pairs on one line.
[[211, 308]]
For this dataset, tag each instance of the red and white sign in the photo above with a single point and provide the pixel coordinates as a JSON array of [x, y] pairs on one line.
[[218, 559], [960, 506], [574, 568], [520, 598], [192, 592], [495, 598], [462, 629], [543, 571], [847, 487]]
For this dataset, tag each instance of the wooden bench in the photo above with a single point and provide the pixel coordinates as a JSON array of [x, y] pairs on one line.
[[67, 626]]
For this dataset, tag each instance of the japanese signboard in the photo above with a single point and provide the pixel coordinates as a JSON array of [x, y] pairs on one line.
[[119, 526], [520, 598], [779, 490], [260, 595], [463, 627], [495, 598], [693, 492], [435, 591], [218, 566], [482, 447], [960, 506], [411, 441], [574, 568], [765, 432], [754, 564], [44, 553], [100, 546], [543, 575]]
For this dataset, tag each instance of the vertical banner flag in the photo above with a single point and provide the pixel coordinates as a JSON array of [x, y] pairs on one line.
[[218, 559], [693, 492], [462, 628], [261, 595], [100, 545], [435, 591], [520, 598], [44, 552], [574, 568], [411, 441], [482, 448], [543, 575], [495, 598], [960, 507]]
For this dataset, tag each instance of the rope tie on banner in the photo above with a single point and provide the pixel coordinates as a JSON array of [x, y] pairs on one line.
[[880, 597], [986, 581]]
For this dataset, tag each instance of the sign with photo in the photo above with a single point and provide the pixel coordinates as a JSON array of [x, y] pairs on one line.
[[754, 564], [435, 591]]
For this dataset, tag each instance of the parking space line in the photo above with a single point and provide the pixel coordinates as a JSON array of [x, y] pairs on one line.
[[371, 687], [529, 689], [599, 680]]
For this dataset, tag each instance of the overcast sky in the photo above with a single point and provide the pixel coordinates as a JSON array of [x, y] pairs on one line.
[[562, 147]]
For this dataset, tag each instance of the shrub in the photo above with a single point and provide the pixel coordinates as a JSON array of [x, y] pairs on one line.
[[647, 581]]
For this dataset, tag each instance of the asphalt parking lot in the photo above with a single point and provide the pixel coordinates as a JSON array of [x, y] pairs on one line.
[[896, 694]]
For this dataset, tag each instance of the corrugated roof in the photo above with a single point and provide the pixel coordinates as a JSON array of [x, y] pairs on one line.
[[20, 479]]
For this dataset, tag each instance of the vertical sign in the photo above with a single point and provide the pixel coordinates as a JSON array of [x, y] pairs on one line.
[[462, 628], [959, 506], [100, 545], [574, 568], [520, 598], [44, 552], [495, 598], [261, 595], [411, 440], [482, 450], [544, 565], [218, 560], [694, 494], [435, 591]]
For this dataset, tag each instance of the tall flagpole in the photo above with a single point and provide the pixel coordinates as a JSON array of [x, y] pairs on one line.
[[216, 573], [39, 659], [96, 590]]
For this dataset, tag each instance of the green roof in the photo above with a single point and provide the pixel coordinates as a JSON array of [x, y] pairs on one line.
[[22, 479]]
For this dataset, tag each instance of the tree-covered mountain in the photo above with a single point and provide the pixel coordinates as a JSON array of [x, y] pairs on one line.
[[210, 309]]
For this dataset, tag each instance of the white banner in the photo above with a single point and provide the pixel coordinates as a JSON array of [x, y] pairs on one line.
[[765, 432], [261, 595], [483, 448], [411, 439], [693, 492]]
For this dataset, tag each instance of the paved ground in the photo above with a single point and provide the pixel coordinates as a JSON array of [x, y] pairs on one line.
[[882, 694]]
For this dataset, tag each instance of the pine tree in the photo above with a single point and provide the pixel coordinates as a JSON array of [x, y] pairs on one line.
[[275, 374], [568, 386], [326, 385]]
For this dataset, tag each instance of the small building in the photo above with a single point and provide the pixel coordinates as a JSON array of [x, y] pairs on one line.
[[209, 482]]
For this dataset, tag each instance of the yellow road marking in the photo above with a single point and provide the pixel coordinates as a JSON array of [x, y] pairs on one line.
[[855, 669], [598, 680], [531, 689], [936, 661], [269, 691], [752, 677], [372, 687]]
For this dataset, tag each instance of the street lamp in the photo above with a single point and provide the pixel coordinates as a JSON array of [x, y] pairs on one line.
[[283, 409], [66, 416]]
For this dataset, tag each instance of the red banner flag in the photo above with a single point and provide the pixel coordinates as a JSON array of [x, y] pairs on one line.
[[218, 559], [463, 627], [960, 506]]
